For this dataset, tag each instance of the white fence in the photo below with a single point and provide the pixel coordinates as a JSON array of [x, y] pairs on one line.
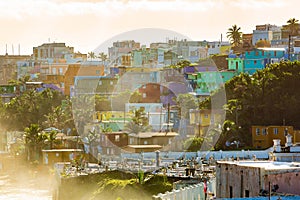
[[192, 192], [217, 155]]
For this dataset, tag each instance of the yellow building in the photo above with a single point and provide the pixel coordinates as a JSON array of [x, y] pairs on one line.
[[263, 136], [200, 120]]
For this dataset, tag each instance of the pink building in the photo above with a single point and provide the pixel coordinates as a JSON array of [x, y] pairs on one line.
[[238, 179]]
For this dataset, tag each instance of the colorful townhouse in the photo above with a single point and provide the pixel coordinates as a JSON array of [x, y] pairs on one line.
[[263, 136], [208, 82], [259, 58], [235, 63], [202, 120]]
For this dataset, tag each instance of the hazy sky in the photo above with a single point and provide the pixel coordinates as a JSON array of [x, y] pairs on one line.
[[86, 24]]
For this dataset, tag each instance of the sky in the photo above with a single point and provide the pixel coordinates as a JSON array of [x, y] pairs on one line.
[[86, 24]]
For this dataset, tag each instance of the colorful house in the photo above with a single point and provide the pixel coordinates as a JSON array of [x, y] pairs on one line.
[[259, 58], [201, 120], [150, 141], [235, 63], [263, 136], [208, 82]]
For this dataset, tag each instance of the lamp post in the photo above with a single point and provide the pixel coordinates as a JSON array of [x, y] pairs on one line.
[[199, 123]]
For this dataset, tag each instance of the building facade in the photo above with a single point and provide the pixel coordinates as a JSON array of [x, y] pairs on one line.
[[263, 136], [240, 179]]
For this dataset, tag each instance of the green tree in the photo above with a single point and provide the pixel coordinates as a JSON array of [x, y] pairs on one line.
[[235, 35], [185, 102], [91, 137], [34, 140], [139, 122], [102, 103], [51, 138], [193, 144], [118, 102], [268, 97], [102, 56], [21, 82], [293, 26], [91, 55]]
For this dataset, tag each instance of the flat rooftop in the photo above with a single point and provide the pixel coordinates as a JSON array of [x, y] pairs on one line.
[[267, 165]]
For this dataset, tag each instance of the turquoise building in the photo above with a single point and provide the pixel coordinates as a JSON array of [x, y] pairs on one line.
[[259, 58], [235, 64], [210, 81]]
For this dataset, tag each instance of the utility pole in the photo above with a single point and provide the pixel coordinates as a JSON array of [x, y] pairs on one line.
[[289, 47]]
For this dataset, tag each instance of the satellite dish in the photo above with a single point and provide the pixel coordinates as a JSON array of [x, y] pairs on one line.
[[227, 143]]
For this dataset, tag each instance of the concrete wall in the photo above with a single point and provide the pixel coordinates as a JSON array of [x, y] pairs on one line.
[[287, 182], [234, 181]]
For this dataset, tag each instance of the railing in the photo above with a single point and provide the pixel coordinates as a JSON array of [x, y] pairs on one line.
[[192, 192]]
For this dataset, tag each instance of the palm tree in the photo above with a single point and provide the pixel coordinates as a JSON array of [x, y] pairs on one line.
[[293, 26], [91, 55], [234, 35], [34, 140], [103, 57], [139, 123], [91, 138], [21, 82], [51, 137]]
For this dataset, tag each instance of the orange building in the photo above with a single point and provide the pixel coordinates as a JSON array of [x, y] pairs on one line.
[[80, 70], [263, 136]]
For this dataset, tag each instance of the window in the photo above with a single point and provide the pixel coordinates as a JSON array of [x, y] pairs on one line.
[[111, 82], [97, 71], [275, 131], [256, 53], [205, 116], [100, 83], [53, 70], [117, 138], [145, 142], [255, 62], [144, 95], [131, 140], [60, 71], [275, 53], [257, 131], [264, 131]]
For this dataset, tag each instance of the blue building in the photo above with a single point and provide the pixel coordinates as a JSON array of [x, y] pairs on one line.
[[259, 58]]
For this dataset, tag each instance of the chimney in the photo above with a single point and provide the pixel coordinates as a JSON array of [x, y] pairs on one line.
[[276, 146], [288, 140]]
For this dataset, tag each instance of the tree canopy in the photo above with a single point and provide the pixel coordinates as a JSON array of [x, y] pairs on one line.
[[268, 97], [235, 35]]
